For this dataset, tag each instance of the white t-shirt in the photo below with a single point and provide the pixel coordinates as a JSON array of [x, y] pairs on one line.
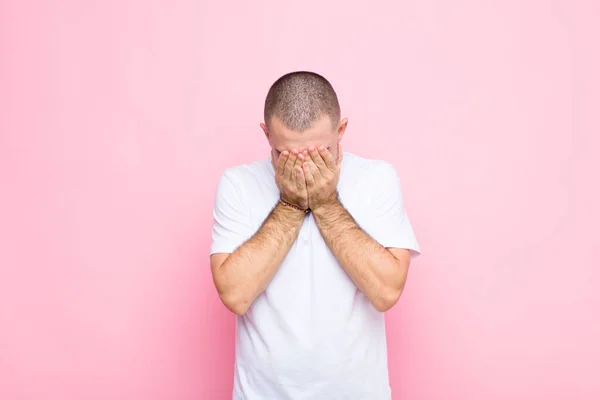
[[311, 334]]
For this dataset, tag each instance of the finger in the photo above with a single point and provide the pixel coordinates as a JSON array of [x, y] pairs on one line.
[[281, 160], [306, 155], [297, 166], [327, 157], [300, 160], [300, 178], [316, 157], [308, 175], [291, 163], [315, 171]]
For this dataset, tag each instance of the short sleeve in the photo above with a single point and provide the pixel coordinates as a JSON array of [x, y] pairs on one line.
[[232, 225], [386, 220]]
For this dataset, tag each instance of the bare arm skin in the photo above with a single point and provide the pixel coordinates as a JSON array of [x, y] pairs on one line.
[[240, 277], [379, 273], [244, 274]]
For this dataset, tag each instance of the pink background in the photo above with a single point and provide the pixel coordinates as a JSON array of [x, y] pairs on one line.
[[117, 118]]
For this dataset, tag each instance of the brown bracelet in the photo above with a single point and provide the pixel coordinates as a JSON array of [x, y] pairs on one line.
[[295, 207]]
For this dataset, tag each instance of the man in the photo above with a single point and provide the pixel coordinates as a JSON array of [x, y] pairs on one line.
[[310, 247]]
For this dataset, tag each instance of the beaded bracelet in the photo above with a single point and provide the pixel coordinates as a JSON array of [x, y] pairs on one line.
[[295, 207]]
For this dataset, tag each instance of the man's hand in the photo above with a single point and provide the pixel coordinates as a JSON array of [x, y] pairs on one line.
[[290, 178], [321, 173]]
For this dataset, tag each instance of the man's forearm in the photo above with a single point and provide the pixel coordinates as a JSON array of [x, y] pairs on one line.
[[248, 270], [372, 268]]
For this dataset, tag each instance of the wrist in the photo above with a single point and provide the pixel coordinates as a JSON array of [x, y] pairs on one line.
[[291, 210], [294, 206], [327, 207]]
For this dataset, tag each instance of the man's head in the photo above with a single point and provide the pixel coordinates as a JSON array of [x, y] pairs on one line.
[[302, 110]]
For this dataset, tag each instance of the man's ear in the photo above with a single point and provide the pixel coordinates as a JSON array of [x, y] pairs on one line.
[[265, 129], [342, 129]]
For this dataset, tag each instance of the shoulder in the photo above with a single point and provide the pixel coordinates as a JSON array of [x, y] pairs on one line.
[[366, 184], [256, 170], [374, 171], [247, 179]]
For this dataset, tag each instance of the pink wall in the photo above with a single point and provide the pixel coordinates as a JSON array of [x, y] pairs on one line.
[[117, 117]]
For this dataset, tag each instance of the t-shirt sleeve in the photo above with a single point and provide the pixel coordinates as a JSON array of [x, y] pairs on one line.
[[232, 224], [387, 221]]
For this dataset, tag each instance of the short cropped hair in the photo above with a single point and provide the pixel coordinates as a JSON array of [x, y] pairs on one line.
[[299, 98]]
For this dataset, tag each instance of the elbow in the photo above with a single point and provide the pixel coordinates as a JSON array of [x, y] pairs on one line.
[[231, 296], [235, 304], [390, 292], [386, 300]]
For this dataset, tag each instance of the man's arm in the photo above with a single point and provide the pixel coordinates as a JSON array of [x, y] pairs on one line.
[[244, 274], [378, 272], [242, 268]]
